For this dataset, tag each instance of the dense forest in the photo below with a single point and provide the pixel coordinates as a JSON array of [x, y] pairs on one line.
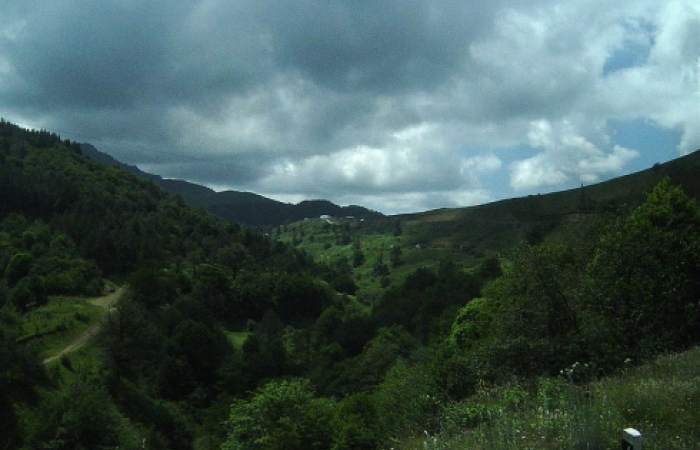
[[226, 338]]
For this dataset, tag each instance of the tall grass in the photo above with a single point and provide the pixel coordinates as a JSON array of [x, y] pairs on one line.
[[660, 399]]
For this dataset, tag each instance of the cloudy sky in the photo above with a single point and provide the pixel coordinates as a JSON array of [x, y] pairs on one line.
[[397, 105]]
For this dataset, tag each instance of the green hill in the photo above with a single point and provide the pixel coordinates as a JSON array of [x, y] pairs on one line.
[[467, 328], [498, 225]]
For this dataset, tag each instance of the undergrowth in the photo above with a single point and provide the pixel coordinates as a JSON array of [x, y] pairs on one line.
[[660, 399]]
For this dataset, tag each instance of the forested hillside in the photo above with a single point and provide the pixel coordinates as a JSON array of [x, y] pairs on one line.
[[224, 338]]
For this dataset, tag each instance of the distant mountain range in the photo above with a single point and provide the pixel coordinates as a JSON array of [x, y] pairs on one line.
[[492, 224], [241, 207]]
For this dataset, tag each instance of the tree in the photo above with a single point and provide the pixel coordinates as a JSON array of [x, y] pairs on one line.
[[645, 273], [358, 256], [365, 371], [29, 293], [263, 351], [473, 323], [203, 349], [356, 423], [152, 287], [407, 400], [395, 256], [300, 298], [22, 372], [282, 415], [82, 418], [536, 315], [19, 266], [132, 345]]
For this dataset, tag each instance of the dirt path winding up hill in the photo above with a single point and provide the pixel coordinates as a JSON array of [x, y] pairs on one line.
[[107, 302]]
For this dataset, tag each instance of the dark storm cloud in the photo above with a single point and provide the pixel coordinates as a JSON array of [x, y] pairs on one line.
[[381, 46], [353, 100]]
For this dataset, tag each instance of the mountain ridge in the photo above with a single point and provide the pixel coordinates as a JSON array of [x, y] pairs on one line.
[[256, 210], [242, 207]]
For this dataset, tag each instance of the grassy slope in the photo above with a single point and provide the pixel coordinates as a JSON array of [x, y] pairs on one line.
[[64, 324], [660, 399]]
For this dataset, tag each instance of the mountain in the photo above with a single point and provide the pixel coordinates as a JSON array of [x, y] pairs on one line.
[[239, 207]]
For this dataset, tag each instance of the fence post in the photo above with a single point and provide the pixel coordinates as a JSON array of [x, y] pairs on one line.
[[631, 439]]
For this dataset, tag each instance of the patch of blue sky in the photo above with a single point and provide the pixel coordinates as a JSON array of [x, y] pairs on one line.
[[498, 182], [654, 143], [632, 55], [635, 51]]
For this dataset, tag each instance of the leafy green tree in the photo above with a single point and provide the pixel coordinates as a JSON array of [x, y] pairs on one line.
[[356, 424], [133, 346], [300, 298], [537, 297], [263, 351], [253, 294], [22, 373], [395, 256], [202, 348], [344, 283], [645, 274], [29, 293], [366, 370], [153, 287], [473, 324], [213, 286], [282, 415], [408, 401], [397, 228], [19, 266], [83, 418], [537, 315], [358, 256]]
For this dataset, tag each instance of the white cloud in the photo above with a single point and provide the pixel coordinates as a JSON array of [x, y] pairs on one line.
[[565, 157], [358, 101]]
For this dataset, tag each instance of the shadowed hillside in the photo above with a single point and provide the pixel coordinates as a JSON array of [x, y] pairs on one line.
[[239, 207]]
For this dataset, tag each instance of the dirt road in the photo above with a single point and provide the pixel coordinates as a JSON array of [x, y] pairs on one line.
[[107, 302]]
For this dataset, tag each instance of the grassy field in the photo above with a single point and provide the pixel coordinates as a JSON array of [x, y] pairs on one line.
[[237, 338], [329, 241], [660, 399]]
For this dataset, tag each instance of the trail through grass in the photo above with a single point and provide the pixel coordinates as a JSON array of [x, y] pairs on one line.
[[79, 320]]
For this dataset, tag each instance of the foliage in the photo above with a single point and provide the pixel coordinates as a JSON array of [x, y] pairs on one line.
[[474, 323], [646, 270], [356, 423], [282, 415], [659, 399], [83, 417], [408, 399], [21, 374], [631, 291]]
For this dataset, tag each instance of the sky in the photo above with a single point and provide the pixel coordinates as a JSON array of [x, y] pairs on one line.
[[396, 105]]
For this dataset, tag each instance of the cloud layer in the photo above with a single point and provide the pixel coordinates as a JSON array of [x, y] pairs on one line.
[[396, 105]]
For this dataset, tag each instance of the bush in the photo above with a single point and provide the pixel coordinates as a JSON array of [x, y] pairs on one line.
[[282, 415]]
